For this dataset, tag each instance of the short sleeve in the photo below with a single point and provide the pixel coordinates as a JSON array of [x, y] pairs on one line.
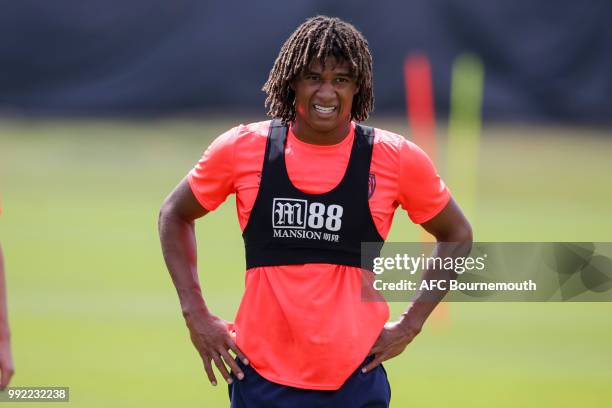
[[212, 178], [422, 193]]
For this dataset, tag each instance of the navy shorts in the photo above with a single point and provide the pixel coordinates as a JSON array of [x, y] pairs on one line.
[[360, 390]]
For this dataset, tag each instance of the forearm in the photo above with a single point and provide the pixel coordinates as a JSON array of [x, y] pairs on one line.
[[427, 300], [179, 248]]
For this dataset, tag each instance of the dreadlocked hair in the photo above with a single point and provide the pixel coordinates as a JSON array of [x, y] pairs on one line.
[[318, 38]]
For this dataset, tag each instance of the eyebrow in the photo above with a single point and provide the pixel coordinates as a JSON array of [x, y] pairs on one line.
[[346, 73]]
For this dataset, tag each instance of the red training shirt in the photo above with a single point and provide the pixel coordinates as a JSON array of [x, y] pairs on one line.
[[306, 326]]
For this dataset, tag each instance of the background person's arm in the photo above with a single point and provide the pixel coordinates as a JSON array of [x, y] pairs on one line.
[[453, 234], [209, 333], [6, 359]]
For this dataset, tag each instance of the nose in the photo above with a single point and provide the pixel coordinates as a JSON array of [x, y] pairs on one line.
[[326, 91]]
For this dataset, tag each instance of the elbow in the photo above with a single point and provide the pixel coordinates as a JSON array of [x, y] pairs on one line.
[[458, 233], [464, 233], [172, 213], [457, 240], [463, 237], [166, 212]]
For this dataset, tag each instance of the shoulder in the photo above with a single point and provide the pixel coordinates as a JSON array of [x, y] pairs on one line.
[[398, 156], [246, 138], [244, 133], [384, 139], [396, 146], [239, 138], [250, 141], [253, 131], [388, 147]]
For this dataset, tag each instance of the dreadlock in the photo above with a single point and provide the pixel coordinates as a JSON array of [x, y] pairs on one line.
[[319, 38]]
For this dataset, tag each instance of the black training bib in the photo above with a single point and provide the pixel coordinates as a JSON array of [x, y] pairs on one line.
[[288, 226]]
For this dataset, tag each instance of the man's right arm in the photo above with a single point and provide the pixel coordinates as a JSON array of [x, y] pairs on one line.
[[209, 333]]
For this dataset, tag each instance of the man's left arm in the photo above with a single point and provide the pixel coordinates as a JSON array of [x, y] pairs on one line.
[[453, 234]]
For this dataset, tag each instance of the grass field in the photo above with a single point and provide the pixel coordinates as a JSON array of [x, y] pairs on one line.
[[92, 306]]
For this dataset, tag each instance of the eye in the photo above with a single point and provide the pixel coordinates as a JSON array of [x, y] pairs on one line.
[[342, 80], [311, 77]]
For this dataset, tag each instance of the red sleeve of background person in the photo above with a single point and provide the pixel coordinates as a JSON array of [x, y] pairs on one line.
[[306, 326]]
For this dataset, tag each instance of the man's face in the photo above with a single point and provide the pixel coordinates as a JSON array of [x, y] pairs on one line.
[[324, 97]]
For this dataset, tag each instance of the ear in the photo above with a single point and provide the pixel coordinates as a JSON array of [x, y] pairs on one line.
[[356, 91]]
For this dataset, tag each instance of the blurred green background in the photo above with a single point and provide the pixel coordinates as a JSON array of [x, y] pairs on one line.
[[92, 306]]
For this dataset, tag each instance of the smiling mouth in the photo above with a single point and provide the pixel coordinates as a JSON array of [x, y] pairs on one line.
[[325, 109]]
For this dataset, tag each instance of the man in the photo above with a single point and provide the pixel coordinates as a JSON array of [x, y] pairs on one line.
[[310, 186]]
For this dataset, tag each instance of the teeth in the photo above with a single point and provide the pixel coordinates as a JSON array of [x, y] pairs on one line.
[[323, 109]]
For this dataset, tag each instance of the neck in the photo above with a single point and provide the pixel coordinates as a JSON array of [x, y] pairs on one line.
[[307, 134]]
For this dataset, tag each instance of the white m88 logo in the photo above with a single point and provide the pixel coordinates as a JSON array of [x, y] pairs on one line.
[[293, 213]]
